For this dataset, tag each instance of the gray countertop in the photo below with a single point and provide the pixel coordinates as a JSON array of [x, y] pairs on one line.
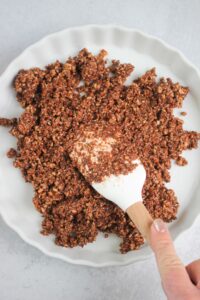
[[25, 273]]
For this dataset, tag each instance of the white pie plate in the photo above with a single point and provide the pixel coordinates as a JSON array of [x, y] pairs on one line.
[[128, 45]]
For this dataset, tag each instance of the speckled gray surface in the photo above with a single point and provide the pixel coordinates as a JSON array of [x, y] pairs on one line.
[[25, 273]]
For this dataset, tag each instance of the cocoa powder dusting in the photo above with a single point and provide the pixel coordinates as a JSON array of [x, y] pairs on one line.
[[65, 97]]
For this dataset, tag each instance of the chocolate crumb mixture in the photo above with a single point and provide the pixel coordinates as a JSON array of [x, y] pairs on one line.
[[100, 150], [12, 153], [8, 122], [59, 100], [183, 113]]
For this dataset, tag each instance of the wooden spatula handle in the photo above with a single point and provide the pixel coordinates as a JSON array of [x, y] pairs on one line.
[[141, 218]]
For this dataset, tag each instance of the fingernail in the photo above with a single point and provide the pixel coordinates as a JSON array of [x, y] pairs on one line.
[[159, 225]]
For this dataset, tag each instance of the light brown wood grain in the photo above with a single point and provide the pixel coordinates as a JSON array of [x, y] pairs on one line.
[[141, 218]]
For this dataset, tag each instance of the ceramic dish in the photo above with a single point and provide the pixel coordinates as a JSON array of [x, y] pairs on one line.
[[127, 45]]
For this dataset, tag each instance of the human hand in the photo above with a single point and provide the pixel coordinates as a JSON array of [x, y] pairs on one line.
[[179, 282]]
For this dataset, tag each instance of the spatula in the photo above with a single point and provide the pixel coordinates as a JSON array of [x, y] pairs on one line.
[[123, 190], [126, 192]]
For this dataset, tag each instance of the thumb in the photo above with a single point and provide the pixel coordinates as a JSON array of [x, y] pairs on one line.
[[172, 271]]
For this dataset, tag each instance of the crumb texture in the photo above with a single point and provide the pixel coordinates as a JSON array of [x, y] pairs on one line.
[[62, 98], [100, 150]]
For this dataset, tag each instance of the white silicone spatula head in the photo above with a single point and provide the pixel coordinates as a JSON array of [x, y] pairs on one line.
[[123, 190]]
